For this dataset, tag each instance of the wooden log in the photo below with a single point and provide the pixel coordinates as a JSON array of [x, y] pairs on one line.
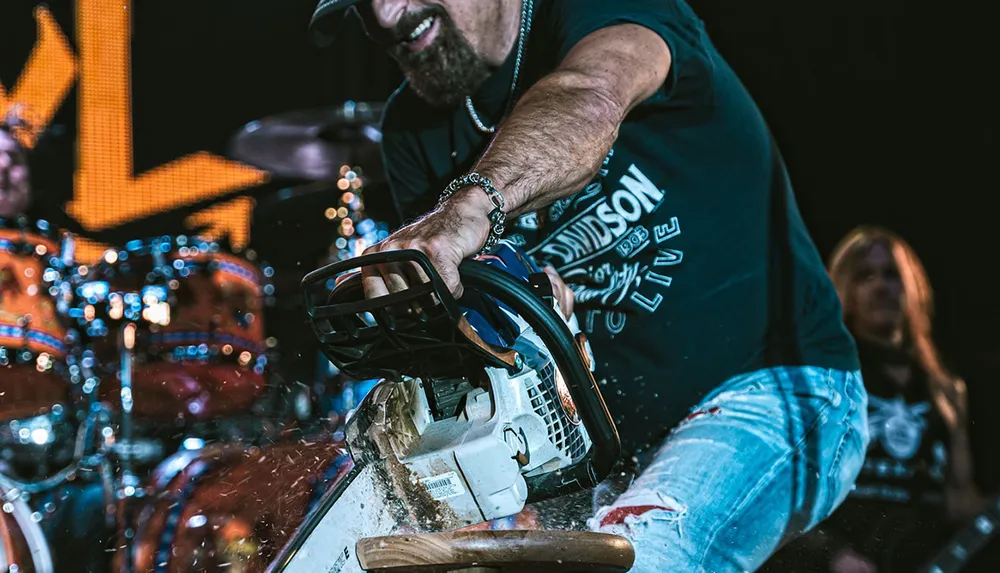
[[497, 551]]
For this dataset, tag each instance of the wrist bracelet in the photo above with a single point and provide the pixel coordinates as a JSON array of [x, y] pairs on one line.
[[497, 216]]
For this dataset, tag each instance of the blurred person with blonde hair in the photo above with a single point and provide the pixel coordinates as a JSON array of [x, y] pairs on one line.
[[917, 474]]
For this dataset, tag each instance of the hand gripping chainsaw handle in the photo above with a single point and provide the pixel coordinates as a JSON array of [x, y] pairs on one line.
[[422, 332]]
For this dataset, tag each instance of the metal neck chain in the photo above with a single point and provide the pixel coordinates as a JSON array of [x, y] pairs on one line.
[[526, 11]]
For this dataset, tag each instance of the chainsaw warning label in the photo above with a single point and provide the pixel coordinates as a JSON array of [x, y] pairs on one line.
[[338, 566], [443, 486]]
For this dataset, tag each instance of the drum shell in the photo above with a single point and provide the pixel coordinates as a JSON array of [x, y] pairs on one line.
[[26, 393], [33, 334], [29, 320], [233, 505], [38, 426], [37, 421], [207, 361], [166, 391]]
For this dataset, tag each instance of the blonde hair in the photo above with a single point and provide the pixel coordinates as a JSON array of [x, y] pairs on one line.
[[947, 389]]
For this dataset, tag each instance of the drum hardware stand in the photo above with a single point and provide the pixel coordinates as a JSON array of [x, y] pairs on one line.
[[96, 430], [125, 446], [127, 489], [160, 265], [107, 473], [101, 462]]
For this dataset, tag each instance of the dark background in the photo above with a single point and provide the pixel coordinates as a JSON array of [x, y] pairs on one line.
[[883, 118]]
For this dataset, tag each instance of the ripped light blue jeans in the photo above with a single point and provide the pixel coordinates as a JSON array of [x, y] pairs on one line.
[[762, 459]]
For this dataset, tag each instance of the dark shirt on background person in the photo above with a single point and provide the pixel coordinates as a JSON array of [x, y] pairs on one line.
[[896, 515]]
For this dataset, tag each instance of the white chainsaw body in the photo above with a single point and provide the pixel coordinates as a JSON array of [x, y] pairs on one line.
[[417, 474]]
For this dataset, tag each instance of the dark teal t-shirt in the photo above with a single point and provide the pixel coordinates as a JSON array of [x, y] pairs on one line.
[[678, 269]]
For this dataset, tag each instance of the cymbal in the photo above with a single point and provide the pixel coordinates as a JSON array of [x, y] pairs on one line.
[[314, 144]]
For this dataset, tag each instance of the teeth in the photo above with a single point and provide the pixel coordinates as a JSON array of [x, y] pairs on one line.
[[423, 27]]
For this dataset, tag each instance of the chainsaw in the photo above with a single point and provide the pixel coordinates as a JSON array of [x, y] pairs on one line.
[[484, 405]]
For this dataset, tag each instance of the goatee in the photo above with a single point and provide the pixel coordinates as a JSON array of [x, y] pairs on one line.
[[445, 71]]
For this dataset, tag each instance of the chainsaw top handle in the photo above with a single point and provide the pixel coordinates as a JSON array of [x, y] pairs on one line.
[[422, 331]]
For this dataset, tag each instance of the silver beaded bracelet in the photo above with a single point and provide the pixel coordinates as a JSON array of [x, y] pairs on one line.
[[498, 218]]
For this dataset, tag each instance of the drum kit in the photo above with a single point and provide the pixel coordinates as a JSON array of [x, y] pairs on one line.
[[107, 367], [149, 374]]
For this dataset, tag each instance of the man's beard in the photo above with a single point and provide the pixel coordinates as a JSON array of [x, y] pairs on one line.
[[447, 70]]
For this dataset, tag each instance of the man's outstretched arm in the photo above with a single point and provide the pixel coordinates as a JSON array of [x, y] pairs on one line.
[[552, 145], [563, 127]]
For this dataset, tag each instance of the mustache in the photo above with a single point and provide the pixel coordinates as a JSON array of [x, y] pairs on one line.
[[401, 31]]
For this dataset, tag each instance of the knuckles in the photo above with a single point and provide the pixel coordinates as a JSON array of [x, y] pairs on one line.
[[435, 248], [438, 249]]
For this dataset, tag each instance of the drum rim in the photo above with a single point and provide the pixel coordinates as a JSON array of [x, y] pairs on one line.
[[203, 250], [38, 545], [16, 237], [215, 248], [41, 231], [206, 250]]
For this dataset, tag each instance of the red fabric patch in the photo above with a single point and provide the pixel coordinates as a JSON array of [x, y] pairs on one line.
[[618, 514], [713, 411]]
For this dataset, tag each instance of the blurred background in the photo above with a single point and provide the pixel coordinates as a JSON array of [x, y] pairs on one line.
[[884, 117]]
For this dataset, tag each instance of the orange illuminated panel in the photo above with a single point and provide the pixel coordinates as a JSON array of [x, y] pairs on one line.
[[107, 191], [47, 77]]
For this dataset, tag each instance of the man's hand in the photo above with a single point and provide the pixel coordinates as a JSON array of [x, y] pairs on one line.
[[563, 294], [455, 230]]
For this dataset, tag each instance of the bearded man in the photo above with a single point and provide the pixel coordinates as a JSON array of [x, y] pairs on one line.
[[613, 142]]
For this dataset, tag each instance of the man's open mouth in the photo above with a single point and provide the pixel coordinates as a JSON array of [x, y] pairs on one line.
[[421, 29], [422, 34]]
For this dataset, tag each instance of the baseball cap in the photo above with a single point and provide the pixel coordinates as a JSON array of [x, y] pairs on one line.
[[327, 20]]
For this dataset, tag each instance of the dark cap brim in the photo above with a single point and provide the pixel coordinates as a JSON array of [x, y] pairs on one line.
[[327, 20]]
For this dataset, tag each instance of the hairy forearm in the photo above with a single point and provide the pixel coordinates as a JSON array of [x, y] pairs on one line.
[[553, 143]]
